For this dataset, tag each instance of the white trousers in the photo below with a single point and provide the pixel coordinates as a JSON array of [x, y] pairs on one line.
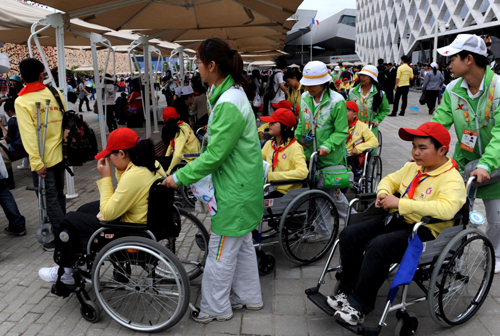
[[324, 220], [231, 269], [492, 207]]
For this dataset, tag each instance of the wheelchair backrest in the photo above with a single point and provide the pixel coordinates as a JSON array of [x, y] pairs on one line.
[[163, 217]]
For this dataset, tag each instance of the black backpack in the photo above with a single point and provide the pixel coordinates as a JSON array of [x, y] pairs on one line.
[[269, 91], [79, 140]]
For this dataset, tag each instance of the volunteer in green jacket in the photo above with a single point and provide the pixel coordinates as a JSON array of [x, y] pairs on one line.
[[371, 100], [234, 159], [470, 103], [324, 110]]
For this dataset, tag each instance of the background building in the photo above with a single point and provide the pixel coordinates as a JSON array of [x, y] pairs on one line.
[[389, 29], [332, 38]]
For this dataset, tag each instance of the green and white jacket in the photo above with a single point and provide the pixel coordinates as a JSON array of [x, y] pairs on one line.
[[378, 116], [487, 148], [233, 157], [330, 116]]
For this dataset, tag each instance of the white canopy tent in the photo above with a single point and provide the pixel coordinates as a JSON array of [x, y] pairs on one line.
[[84, 68]]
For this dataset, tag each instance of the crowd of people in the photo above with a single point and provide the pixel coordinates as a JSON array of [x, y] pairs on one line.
[[311, 109]]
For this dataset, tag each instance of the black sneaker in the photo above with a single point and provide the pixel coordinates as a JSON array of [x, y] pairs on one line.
[[14, 233], [392, 115], [50, 246]]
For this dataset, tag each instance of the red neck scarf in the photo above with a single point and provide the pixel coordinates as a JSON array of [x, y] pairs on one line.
[[172, 142], [417, 179], [31, 87], [277, 150], [349, 137]]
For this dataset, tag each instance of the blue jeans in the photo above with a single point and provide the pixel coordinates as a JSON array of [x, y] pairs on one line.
[[17, 222], [56, 200]]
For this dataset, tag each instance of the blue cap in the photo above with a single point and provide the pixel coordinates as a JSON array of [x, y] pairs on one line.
[[16, 78]]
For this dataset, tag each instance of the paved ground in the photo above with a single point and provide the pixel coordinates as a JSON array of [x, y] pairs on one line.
[[28, 308]]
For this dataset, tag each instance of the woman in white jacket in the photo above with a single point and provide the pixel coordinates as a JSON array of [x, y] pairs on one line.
[[109, 101]]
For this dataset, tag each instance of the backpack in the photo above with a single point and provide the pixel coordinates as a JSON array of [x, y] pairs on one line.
[[79, 140], [269, 92]]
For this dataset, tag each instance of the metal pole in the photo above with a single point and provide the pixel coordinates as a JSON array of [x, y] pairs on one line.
[[94, 39], [153, 90], [311, 44], [302, 49], [181, 65], [147, 79], [434, 51]]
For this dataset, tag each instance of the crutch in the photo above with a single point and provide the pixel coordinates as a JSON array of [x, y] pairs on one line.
[[44, 231]]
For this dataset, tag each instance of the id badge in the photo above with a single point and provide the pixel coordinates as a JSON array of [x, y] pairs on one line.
[[469, 139]]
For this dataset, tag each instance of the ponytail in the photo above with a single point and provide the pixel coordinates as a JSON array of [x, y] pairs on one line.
[[434, 70], [143, 154], [227, 59], [169, 131], [377, 99]]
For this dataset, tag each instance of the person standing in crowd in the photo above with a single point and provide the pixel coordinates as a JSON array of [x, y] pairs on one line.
[[233, 157], [325, 111], [433, 83], [381, 73], [165, 83], [16, 86], [336, 75], [370, 98], [256, 81], [82, 95], [295, 89], [109, 99], [184, 102], [355, 78], [390, 75], [404, 74], [424, 72], [278, 82], [52, 168], [469, 105], [17, 222], [12, 136]]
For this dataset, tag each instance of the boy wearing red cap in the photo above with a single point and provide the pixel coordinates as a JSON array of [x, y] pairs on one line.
[[430, 186], [284, 104], [360, 137], [285, 155]]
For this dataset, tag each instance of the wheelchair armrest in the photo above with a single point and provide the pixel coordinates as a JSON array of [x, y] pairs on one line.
[[285, 182], [431, 220], [124, 225], [369, 150], [367, 197]]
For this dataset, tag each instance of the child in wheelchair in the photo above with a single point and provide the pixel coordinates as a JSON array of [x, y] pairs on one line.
[[136, 170], [359, 140], [430, 186], [285, 155], [180, 139]]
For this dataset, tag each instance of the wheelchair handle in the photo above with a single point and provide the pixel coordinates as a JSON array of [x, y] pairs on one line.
[[468, 186], [311, 163], [32, 188], [415, 229], [188, 155]]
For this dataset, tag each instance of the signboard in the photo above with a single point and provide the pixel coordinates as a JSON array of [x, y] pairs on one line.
[[344, 58]]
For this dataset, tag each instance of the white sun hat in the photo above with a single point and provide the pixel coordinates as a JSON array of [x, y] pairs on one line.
[[434, 65], [187, 90], [370, 70], [177, 91], [469, 42], [315, 73], [337, 68]]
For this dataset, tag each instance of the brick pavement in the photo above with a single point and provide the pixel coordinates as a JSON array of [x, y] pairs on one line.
[[28, 308]]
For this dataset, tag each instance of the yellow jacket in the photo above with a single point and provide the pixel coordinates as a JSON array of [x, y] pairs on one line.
[[129, 202], [185, 142], [345, 86], [26, 116], [404, 74], [441, 195], [362, 138], [291, 165]]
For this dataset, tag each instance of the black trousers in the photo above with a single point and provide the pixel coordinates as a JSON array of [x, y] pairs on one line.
[[430, 99], [110, 117], [86, 100], [80, 226], [401, 92], [367, 249], [390, 94]]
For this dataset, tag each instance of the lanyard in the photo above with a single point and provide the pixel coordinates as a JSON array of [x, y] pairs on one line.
[[364, 107], [408, 188], [314, 117], [295, 97], [488, 106]]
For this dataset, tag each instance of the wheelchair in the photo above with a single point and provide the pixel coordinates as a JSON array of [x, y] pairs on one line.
[[366, 180], [140, 273], [455, 273], [293, 219]]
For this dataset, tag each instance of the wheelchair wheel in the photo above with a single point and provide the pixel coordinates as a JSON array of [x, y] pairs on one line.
[[301, 220], [146, 302], [90, 311], [187, 195], [374, 173], [379, 138], [461, 278], [191, 245], [407, 327]]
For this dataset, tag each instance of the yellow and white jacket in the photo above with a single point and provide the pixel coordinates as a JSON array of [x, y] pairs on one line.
[[185, 142], [362, 138], [440, 196]]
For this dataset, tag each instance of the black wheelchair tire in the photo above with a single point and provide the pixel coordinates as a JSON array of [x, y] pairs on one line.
[[444, 268], [374, 173], [404, 329], [379, 138], [287, 233], [90, 311]]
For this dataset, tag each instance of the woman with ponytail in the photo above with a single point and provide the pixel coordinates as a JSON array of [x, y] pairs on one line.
[[179, 137], [136, 170], [233, 158]]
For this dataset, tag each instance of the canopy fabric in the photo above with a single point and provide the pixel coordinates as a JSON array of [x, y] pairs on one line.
[[150, 14], [84, 68], [15, 15], [293, 66]]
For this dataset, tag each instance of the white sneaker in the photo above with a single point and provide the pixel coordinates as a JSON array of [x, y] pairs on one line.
[[49, 274], [497, 267], [349, 315], [237, 305], [205, 318], [315, 238], [25, 165], [338, 301]]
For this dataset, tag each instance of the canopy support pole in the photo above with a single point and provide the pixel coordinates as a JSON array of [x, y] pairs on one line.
[[94, 39], [153, 81]]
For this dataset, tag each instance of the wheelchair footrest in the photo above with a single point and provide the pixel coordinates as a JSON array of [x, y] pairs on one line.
[[320, 300], [361, 329]]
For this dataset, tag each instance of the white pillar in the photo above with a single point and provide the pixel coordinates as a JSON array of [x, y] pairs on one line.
[[94, 39], [436, 36], [147, 80]]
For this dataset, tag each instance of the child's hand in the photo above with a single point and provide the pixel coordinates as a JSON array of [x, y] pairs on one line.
[[390, 202], [378, 202], [104, 168], [354, 152]]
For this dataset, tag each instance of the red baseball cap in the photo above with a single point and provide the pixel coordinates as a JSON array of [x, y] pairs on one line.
[[338, 81], [283, 104], [170, 112], [352, 106], [122, 138], [345, 80], [429, 129], [282, 115]]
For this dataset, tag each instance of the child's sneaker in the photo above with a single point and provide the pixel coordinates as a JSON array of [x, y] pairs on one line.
[[236, 305], [205, 318], [338, 301], [349, 315], [49, 274]]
